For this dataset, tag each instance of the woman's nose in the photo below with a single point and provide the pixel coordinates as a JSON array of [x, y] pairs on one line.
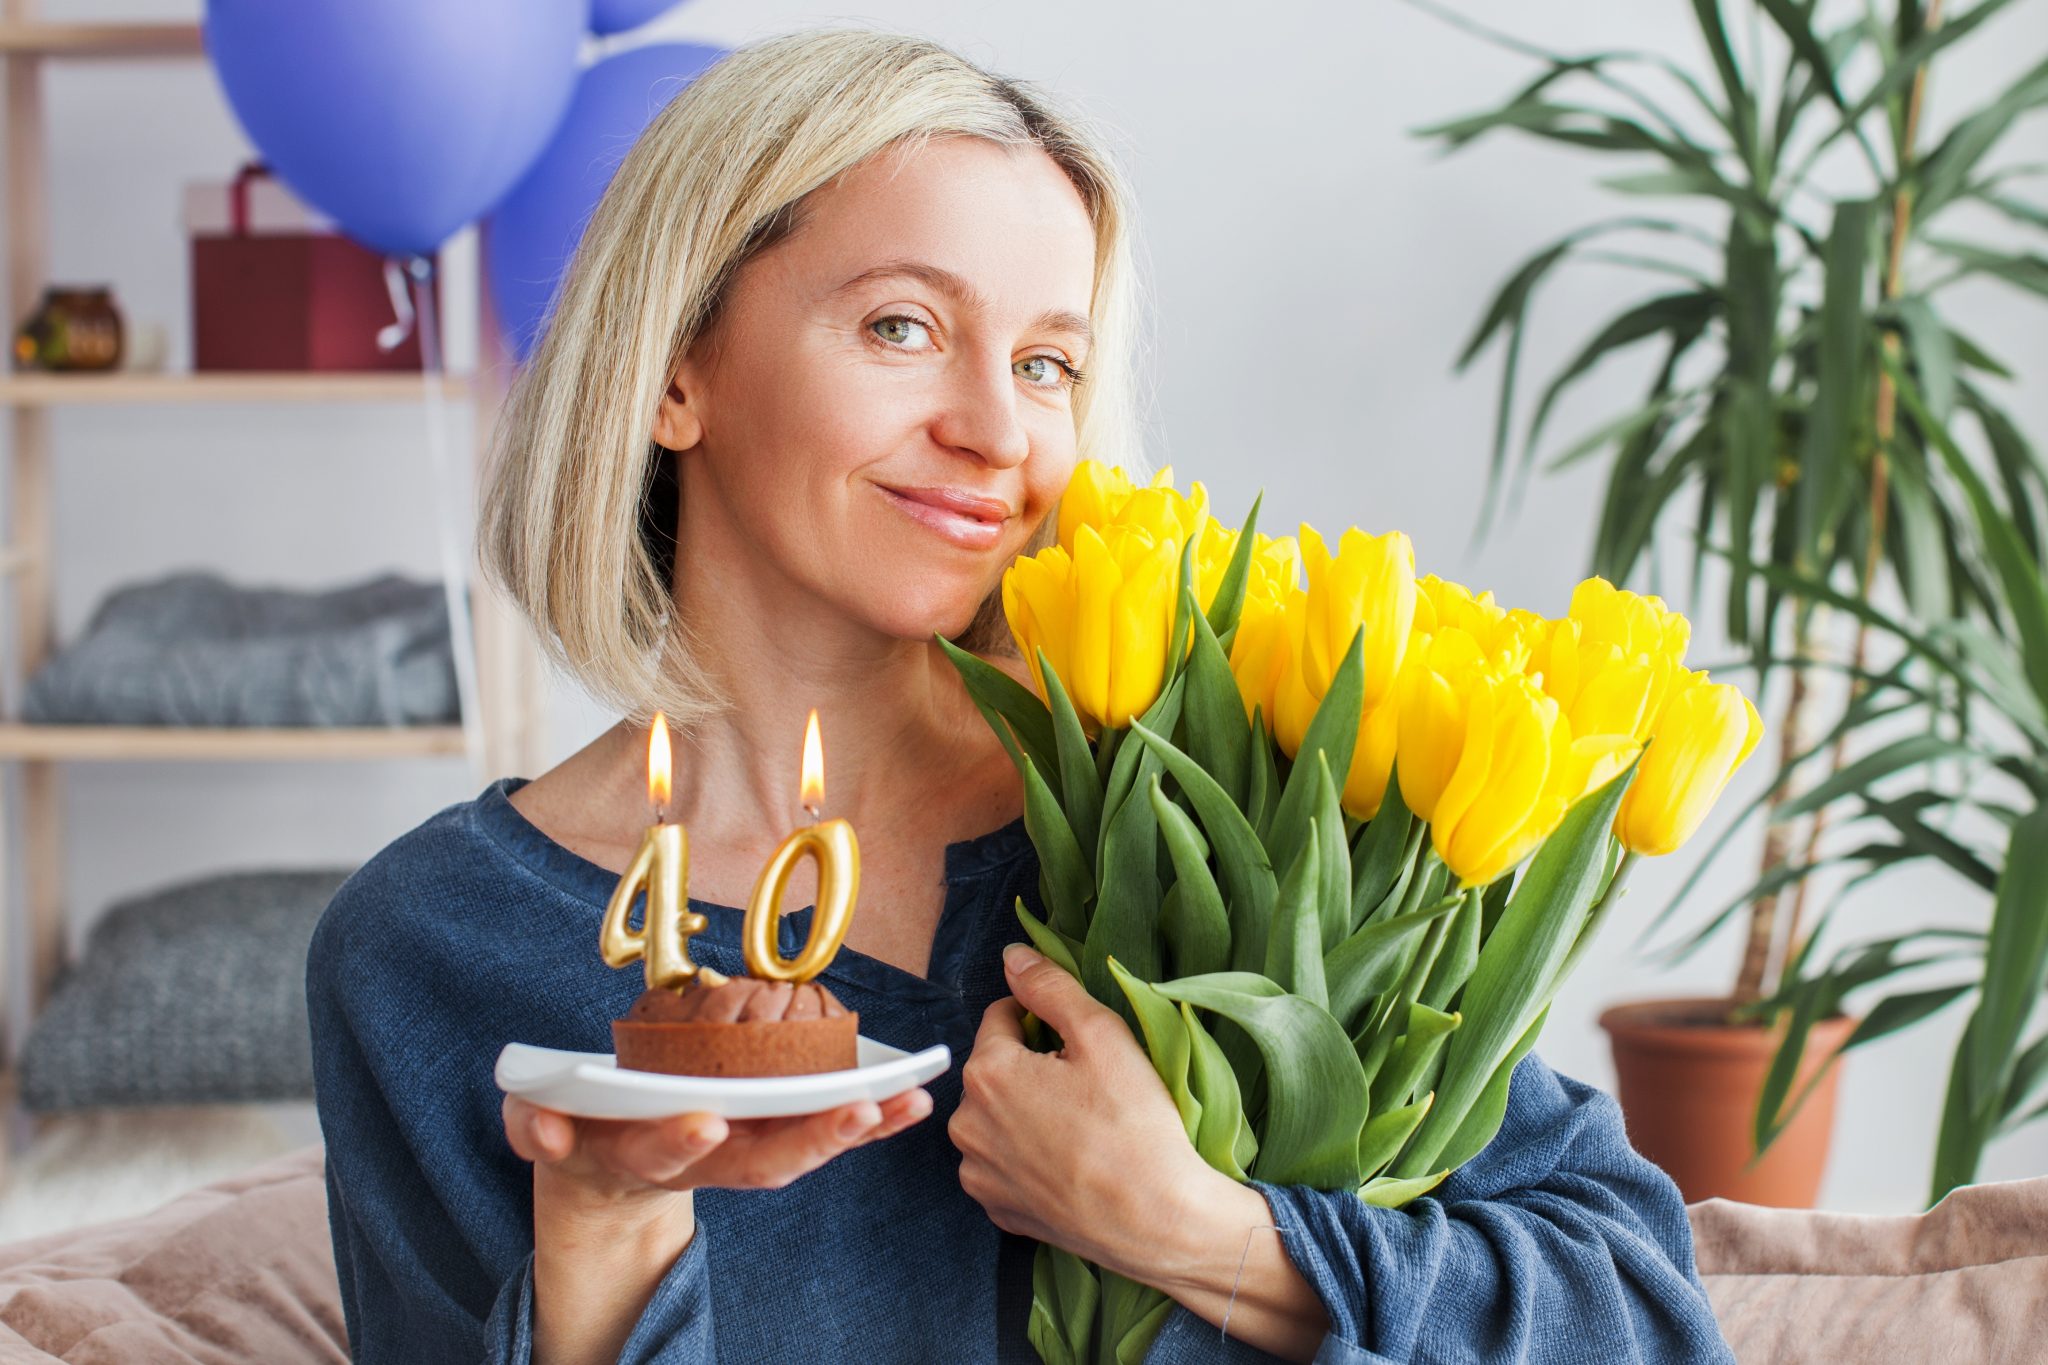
[[978, 413]]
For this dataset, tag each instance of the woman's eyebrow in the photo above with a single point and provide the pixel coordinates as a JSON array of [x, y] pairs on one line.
[[964, 293]]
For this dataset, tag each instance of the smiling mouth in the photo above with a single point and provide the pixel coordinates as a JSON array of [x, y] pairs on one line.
[[959, 527]]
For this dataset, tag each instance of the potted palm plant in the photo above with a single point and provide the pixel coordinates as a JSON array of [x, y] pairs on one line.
[[1772, 423]]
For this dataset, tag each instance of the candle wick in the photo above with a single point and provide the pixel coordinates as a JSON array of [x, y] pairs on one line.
[[813, 811]]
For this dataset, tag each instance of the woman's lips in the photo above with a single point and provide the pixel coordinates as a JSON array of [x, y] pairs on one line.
[[970, 533]]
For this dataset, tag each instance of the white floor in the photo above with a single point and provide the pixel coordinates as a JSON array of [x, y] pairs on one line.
[[93, 1165]]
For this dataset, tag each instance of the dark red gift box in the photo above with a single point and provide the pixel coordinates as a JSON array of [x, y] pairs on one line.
[[276, 287]]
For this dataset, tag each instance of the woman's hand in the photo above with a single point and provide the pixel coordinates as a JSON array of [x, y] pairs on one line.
[[618, 1159], [1082, 1147]]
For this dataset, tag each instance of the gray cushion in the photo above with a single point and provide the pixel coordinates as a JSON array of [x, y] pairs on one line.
[[192, 994], [192, 649]]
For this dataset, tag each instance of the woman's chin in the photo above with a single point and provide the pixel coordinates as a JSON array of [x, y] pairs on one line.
[[923, 622]]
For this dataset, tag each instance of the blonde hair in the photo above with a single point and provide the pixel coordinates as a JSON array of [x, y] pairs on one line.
[[577, 523]]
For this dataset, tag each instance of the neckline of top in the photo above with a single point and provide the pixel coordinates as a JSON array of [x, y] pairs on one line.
[[966, 859]]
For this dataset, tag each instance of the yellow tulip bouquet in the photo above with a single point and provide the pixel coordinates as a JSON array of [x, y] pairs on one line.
[[1329, 846]]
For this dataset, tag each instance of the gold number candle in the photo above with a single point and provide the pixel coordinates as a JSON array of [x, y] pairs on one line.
[[662, 868], [830, 843]]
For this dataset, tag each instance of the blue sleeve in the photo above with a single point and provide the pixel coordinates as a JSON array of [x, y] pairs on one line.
[[430, 1210], [1557, 1245]]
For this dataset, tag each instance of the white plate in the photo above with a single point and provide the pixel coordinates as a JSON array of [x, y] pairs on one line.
[[593, 1085]]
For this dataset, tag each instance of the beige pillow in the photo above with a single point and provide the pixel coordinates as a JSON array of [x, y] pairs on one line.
[[237, 1272], [1965, 1282]]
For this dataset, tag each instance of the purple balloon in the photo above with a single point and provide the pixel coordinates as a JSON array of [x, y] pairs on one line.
[[616, 16], [531, 234], [402, 120]]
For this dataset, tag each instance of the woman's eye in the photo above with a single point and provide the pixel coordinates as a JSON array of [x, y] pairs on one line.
[[899, 331], [1046, 371], [903, 333]]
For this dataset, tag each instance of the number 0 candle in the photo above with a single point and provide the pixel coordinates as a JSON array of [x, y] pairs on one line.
[[830, 843]]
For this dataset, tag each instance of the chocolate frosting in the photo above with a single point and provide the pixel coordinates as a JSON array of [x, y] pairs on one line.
[[736, 999]]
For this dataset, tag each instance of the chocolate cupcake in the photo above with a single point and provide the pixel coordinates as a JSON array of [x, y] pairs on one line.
[[737, 1026]]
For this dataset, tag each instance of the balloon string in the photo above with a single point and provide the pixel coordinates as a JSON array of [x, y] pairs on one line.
[[454, 575], [1223, 1331]]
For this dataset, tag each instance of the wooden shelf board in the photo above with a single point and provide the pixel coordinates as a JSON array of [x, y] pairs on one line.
[[35, 38], [141, 742], [30, 389]]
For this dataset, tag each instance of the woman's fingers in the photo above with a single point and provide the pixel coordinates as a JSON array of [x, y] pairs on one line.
[[899, 1112], [537, 1134], [661, 1152], [688, 1150]]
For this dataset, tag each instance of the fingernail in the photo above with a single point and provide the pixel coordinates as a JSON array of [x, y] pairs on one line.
[[1019, 957]]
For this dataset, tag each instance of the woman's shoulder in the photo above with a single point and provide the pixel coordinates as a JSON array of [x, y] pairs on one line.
[[419, 894]]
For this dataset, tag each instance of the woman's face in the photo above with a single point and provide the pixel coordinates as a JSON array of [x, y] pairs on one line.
[[883, 413]]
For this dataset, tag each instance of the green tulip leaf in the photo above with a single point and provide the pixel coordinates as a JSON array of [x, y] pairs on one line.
[[1391, 1192], [1126, 907], [1080, 788], [1333, 733], [1166, 1042], [1225, 1139], [1333, 855], [1229, 599], [1385, 1133], [1218, 734], [1001, 698], [1294, 951], [1455, 964], [1183, 610], [1246, 876], [1136, 1342], [1316, 1102], [1263, 786], [1383, 856], [1064, 1297], [1519, 966], [1049, 941], [1484, 1120], [1135, 763], [1063, 877], [1397, 1081], [1194, 922], [1370, 962]]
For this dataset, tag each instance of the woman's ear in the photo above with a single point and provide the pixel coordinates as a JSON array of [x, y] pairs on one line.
[[677, 423]]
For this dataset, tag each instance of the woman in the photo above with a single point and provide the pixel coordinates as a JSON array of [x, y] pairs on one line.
[[830, 348]]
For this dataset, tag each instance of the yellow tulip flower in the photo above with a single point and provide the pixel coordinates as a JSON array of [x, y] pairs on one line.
[[1267, 660], [1262, 648], [1507, 636], [1273, 569], [1102, 495], [1613, 660], [1370, 580], [1705, 732], [1103, 615]]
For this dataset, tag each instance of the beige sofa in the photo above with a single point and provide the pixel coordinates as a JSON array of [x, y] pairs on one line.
[[240, 1272]]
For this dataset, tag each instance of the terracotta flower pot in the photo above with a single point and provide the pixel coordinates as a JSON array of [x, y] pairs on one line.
[[1688, 1084]]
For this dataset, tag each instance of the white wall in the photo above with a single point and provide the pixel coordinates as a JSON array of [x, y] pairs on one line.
[[1314, 270]]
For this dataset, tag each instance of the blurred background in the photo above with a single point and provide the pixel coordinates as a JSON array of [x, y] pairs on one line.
[[1315, 269]]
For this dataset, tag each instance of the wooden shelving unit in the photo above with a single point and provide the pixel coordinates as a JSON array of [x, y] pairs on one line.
[[142, 743], [32, 37], [58, 390], [502, 734]]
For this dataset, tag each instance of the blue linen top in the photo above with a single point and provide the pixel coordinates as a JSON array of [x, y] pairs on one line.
[[1557, 1244]]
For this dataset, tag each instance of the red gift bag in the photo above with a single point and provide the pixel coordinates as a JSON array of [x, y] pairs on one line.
[[276, 287]]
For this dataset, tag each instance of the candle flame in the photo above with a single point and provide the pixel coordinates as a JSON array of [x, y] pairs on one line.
[[658, 762], [814, 764]]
